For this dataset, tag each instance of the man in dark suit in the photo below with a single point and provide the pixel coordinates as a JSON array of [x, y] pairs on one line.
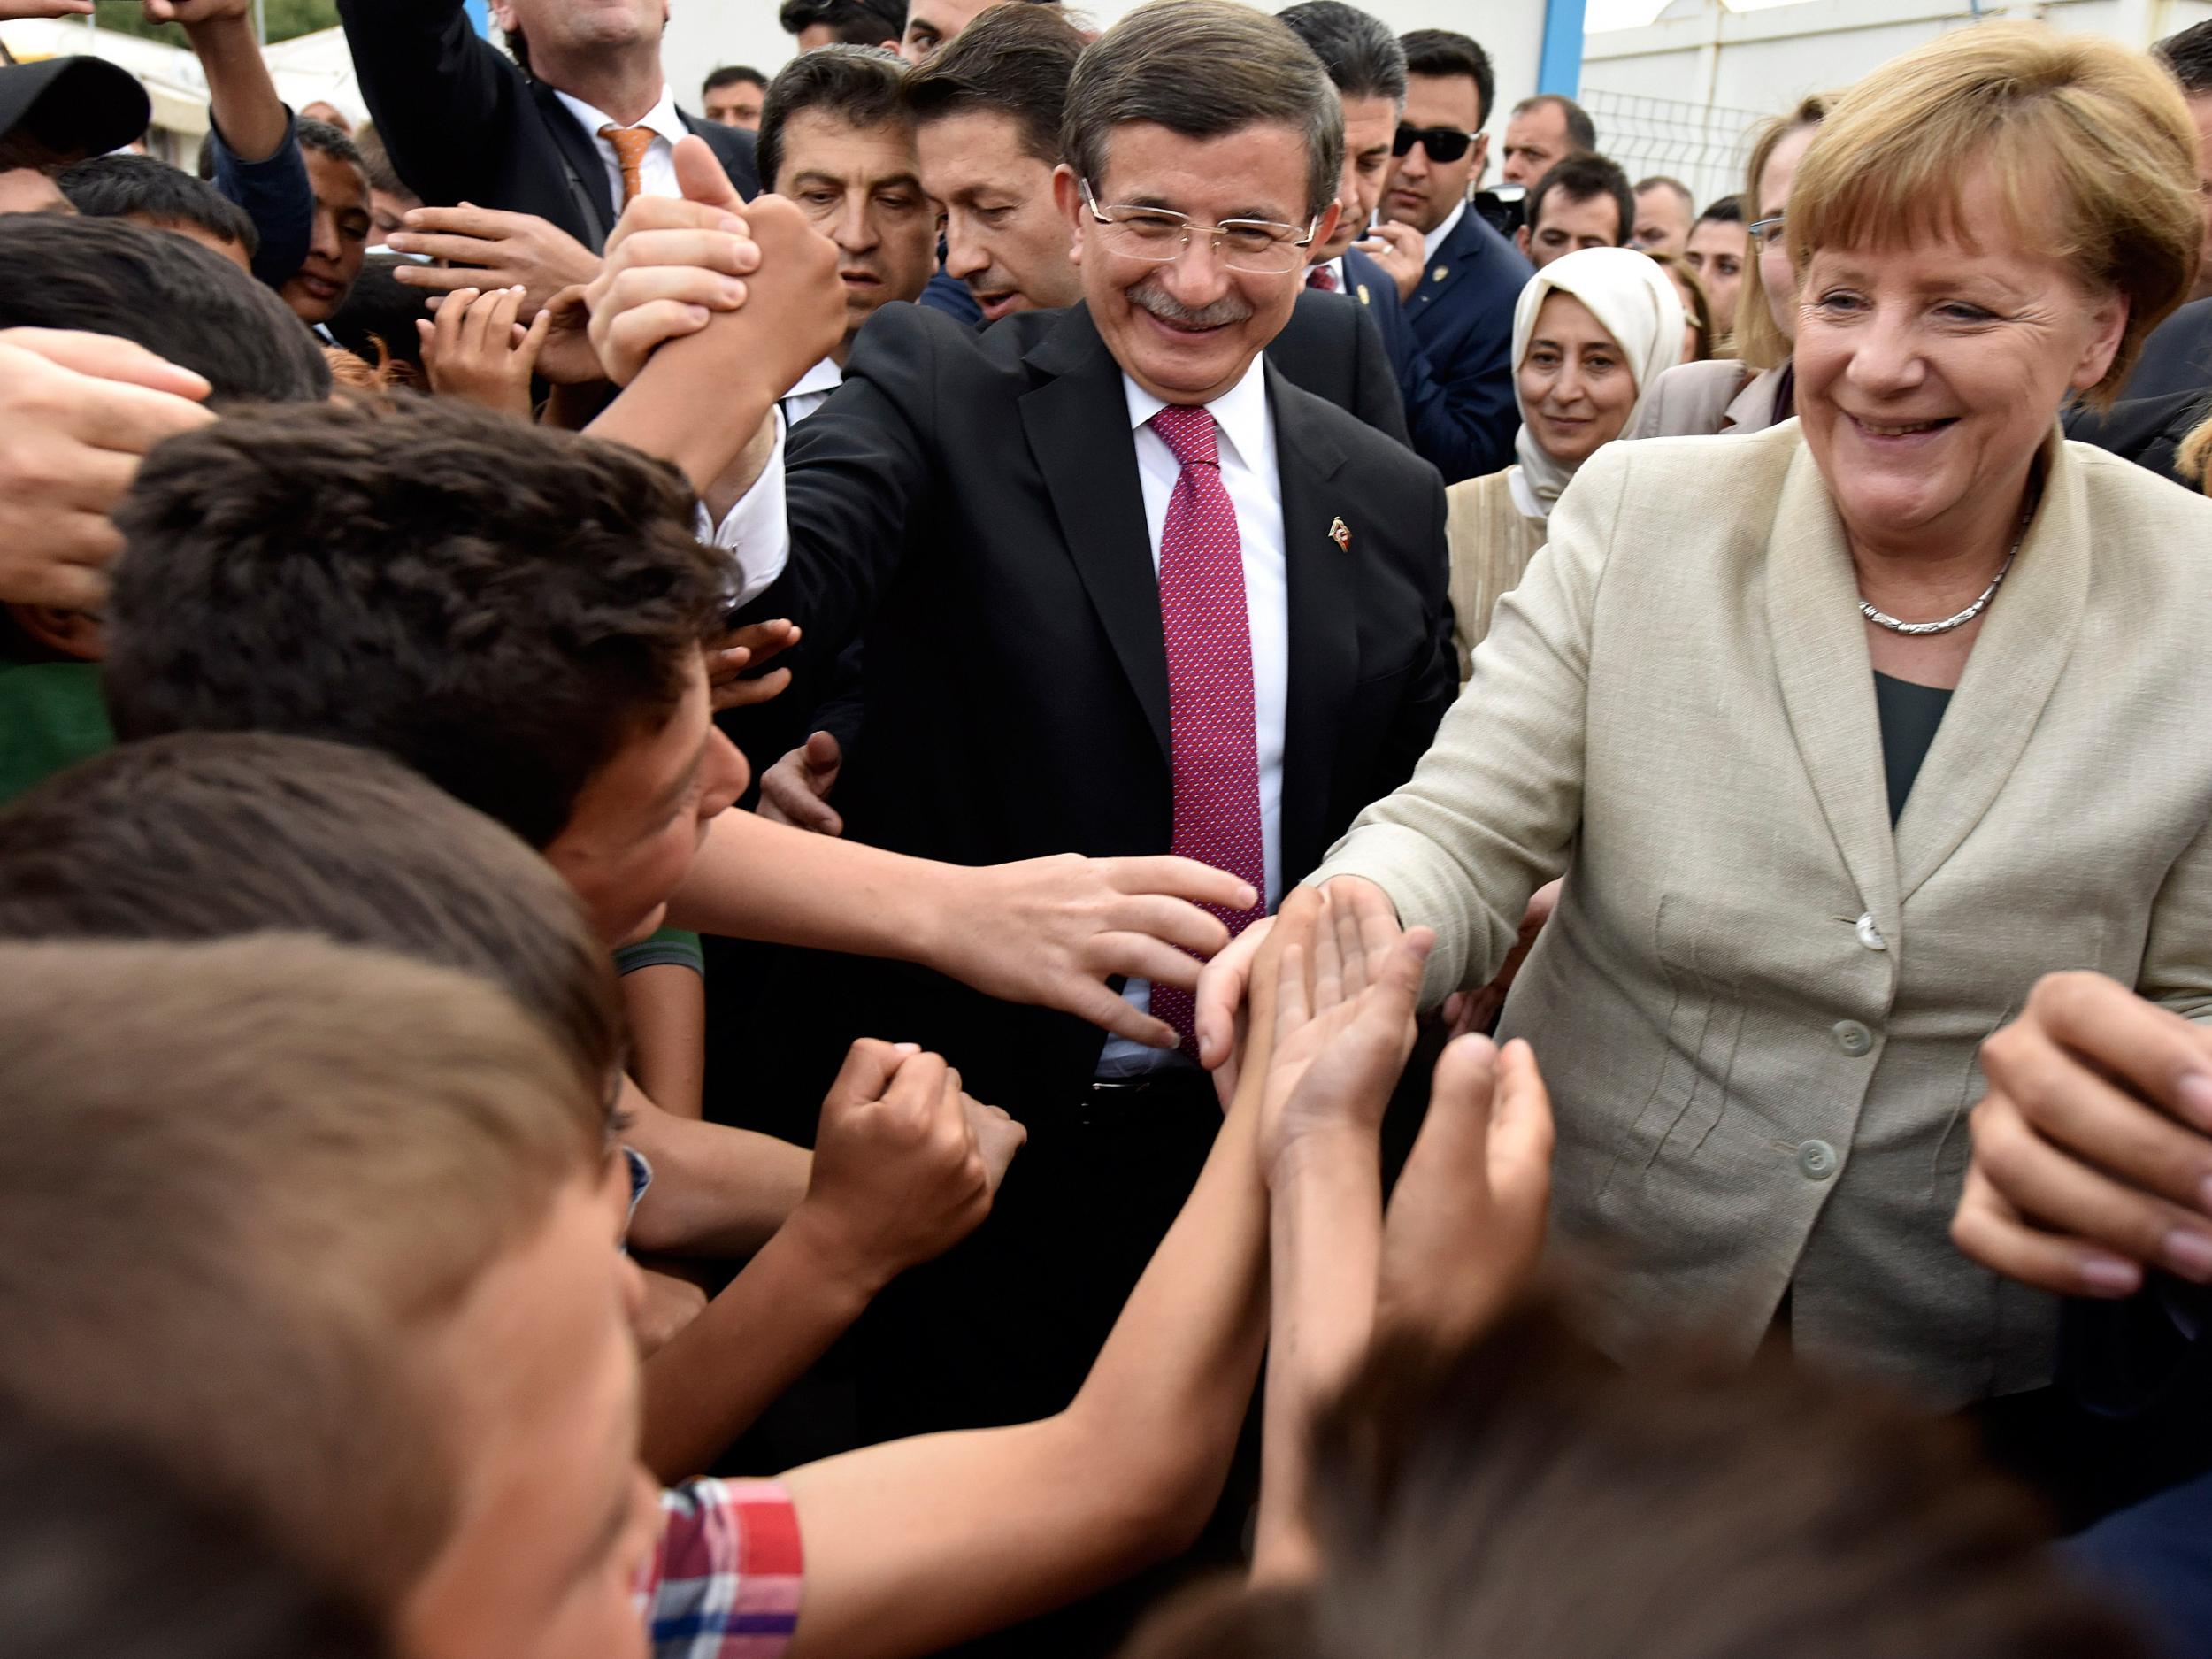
[[1123, 588], [1457, 277], [579, 122], [1463, 430]]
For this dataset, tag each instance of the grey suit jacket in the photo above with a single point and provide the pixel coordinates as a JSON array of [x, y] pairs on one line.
[[1757, 1008]]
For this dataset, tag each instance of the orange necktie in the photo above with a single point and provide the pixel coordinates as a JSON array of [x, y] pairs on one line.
[[630, 145]]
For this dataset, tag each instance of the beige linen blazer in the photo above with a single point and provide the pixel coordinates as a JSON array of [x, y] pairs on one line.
[[1723, 395], [1757, 1008]]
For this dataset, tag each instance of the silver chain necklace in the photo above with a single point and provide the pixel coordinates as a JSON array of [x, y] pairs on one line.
[[1883, 619]]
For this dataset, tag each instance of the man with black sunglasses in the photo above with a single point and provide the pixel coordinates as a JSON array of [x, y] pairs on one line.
[[1457, 277], [1463, 426]]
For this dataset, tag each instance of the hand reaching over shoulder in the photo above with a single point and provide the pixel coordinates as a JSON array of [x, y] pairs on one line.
[[476, 351], [1465, 1224], [905, 1164], [2092, 1149], [1344, 1006], [77, 411], [486, 248]]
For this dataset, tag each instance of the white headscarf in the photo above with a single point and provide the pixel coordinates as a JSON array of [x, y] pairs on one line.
[[1635, 301]]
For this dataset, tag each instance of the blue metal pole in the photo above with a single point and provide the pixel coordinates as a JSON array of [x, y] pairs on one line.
[[1560, 68]]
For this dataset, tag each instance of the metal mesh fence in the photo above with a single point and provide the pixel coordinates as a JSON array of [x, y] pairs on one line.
[[1704, 147]]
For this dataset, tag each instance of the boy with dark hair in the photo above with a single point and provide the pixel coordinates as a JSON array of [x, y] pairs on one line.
[[206, 835], [161, 197], [340, 235], [1583, 202], [186, 304]]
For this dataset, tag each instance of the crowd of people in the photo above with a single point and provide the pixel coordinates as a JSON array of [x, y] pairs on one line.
[[1041, 847]]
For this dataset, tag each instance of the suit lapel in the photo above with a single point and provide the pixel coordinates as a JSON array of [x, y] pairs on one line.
[[1324, 602], [1077, 427], [2026, 639], [1827, 679]]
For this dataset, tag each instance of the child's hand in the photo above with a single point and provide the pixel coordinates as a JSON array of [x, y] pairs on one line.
[[1344, 1013], [905, 1164], [477, 350], [1466, 1221], [745, 648]]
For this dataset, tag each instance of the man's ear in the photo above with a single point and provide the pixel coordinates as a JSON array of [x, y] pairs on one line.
[[77, 634], [1067, 195], [504, 14], [1481, 148], [1520, 241]]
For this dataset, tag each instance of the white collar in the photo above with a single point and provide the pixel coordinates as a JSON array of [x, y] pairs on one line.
[[1435, 238], [824, 376], [661, 119], [1241, 412]]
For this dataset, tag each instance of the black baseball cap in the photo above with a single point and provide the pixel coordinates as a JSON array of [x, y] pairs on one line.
[[74, 106]]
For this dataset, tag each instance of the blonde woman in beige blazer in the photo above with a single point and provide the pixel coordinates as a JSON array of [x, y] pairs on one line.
[[1759, 1002]]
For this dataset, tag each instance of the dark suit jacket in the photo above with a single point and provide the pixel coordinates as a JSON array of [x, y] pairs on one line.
[[972, 502], [1462, 315], [462, 122], [2176, 358], [2148, 431], [1450, 434], [1330, 347]]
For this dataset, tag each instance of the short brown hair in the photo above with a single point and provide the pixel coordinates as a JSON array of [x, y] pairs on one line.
[[501, 606], [212, 834], [2094, 154], [1014, 61], [1528, 1497], [1758, 342], [237, 1176], [1203, 69]]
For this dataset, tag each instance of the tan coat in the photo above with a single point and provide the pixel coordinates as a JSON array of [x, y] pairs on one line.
[[1491, 542], [1693, 399], [1758, 1008]]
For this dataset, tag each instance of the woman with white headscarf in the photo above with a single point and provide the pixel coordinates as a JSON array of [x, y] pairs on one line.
[[1591, 332]]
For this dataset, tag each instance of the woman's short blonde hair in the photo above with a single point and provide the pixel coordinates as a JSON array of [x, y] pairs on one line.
[[2092, 149], [1758, 342]]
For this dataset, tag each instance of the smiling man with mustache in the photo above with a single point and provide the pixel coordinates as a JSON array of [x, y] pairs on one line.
[[1124, 586]]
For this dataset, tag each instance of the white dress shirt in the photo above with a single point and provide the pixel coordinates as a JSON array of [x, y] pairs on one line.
[[758, 536], [812, 392], [656, 172], [1435, 238]]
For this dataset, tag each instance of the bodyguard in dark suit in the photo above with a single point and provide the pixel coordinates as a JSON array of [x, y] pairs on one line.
[[1465, 430], [462, 122], [1461, 303], [1124, 586]]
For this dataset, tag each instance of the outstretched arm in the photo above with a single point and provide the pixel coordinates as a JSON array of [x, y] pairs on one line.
[[920, 1543]]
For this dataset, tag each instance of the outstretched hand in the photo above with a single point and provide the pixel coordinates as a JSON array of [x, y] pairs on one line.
[[1465, 1225], [2092, 1149], [1344, 1008], [1052, 930]]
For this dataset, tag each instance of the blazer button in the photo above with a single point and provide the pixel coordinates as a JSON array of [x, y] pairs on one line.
[[1870, 935], [1853, 1038], [1816, 1160]]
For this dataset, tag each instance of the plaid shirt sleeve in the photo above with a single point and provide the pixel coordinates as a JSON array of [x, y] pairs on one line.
[[725, 1582]]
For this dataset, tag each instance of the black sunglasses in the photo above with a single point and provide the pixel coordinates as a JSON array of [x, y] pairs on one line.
[[1445, 144]]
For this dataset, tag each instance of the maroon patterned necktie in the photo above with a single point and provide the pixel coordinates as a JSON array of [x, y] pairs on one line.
[[1209, 635], [1321, 277]]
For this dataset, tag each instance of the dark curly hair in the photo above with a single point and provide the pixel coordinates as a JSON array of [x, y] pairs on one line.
[[500, 606]]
